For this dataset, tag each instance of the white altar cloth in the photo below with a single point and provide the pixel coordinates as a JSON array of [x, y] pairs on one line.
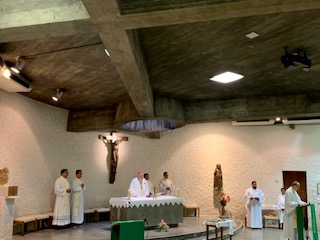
[[144, 201], [222, 223]]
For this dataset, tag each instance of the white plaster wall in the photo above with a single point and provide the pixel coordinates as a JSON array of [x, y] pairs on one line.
[[35, 146]]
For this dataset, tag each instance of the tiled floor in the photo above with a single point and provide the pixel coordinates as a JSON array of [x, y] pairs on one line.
[[101, 230]]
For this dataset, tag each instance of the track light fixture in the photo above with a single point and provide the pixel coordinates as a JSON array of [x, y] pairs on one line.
[[19, 65], [58, 95]]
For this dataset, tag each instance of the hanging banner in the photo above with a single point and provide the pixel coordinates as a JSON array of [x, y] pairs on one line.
[[300, 223]]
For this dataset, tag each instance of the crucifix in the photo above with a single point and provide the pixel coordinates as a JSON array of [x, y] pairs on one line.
[[112, 143]]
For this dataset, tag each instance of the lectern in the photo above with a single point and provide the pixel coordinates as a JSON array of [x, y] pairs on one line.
[[127, 230]]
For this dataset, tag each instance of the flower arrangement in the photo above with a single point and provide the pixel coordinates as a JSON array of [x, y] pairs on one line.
[[224, 199], [162, 226]]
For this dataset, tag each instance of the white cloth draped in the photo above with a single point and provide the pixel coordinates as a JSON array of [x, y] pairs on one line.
[[222, 223], [144, 201], [61, 214], [253, 207], [281, 201], [292, 200], [139, 189], [77, 202]]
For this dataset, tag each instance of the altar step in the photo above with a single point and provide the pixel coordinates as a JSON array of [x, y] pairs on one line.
[[191, 228]]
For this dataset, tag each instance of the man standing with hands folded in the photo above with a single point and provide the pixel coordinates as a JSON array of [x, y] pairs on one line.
[[292, 200], [254, 198]]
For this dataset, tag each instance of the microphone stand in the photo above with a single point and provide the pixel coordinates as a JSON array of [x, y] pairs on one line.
[[143, 215]]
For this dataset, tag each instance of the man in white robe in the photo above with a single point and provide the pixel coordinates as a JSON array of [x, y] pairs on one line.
[[166, 186], [139, 186], [77, 203], [150, 184], [62, 189], [254, 198], [280, 203], [292, 200]]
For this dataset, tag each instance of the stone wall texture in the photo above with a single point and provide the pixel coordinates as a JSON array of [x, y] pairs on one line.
[[35, 146]]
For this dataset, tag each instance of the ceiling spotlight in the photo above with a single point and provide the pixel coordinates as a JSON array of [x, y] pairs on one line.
[[58, 95], [226, 77], [4, 70], [107, 52], [19, 65]]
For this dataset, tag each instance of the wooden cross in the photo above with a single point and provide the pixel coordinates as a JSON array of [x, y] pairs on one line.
[[113, 149]]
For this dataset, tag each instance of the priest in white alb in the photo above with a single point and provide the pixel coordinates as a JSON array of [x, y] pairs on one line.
[[77, 203], [292, 200], [254, 198], [166, 186], [280, 203], [62, 189], [139, 186]]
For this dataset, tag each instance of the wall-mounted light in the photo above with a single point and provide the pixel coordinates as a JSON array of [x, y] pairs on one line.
[[58, 95], [19, 65], [278, 119]]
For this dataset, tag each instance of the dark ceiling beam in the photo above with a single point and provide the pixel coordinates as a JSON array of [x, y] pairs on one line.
[[213, 12], [126, 54], [94, 120], [250, 109], [208, 111], [47, 30]]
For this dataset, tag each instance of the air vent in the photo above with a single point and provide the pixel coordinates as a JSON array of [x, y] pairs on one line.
[[259, 122]]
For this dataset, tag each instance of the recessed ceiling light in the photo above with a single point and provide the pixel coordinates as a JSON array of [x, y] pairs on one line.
[[226, 77], [252, 35]]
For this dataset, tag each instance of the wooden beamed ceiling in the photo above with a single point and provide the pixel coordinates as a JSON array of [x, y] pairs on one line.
[[165, 50]]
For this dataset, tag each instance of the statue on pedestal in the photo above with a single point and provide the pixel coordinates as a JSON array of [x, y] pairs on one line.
[[217, 186], [218, 178]]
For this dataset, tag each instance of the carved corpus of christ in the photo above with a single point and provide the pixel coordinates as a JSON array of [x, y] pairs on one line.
[[112, 143]]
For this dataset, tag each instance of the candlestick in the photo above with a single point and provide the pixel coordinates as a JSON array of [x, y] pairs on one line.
[[129, 194]]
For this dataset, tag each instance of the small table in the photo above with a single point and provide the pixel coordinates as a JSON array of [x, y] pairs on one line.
[[220, 224]]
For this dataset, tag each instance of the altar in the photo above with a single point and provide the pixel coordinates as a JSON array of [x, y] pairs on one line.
[[152, 210]]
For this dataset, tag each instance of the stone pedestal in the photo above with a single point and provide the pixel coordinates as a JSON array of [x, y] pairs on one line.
[[6, 217]]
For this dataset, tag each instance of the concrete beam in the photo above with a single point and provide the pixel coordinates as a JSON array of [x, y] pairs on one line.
[[85, 121], [249, 109], [20, 13], [126, 54], [47, 30], [213, 12]]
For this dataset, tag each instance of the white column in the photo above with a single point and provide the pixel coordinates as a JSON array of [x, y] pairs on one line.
[[6, 217]]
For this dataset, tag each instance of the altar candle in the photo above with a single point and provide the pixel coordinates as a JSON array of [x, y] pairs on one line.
[[129, 194], [178, 192]]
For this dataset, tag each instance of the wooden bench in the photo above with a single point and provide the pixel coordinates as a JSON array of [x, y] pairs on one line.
[[50, 219], [99, 212], [22, 221], [89, 215], [193, 207], [40, 220]]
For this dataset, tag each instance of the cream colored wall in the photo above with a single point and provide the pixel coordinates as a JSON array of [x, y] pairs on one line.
[[35, 146]]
